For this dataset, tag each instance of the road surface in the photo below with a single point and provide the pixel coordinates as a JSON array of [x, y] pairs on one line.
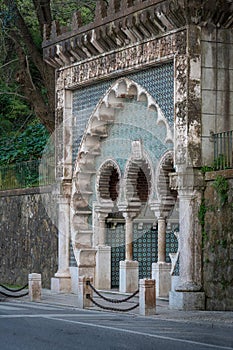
[[36, 326]]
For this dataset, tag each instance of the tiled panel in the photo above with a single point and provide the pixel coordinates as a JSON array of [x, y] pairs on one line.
[[158, 81], [145, 249]]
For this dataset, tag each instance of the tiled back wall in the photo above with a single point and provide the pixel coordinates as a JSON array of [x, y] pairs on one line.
[[158, 81]]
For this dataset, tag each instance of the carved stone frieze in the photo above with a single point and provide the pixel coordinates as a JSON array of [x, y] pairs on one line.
[[181, 89], [141, 20], [132, 57]]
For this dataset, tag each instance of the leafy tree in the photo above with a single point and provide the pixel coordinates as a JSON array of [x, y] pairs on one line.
[[23, 146], [22, 67]]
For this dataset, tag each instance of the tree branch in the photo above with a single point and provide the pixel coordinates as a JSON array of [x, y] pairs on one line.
[[13, 93], [8, 63]]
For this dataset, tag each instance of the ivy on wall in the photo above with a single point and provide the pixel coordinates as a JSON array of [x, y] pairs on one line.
[[24, 146]]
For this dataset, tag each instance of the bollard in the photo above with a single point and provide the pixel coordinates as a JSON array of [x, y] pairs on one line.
[[34, 285], [147, 297], [83, 290]]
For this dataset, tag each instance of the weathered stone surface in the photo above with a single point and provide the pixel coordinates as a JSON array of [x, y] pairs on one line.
[[28, 238], [218, 248]]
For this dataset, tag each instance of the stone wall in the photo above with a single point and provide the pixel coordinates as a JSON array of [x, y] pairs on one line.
[[28, 236], [216, 87], [218, 240]]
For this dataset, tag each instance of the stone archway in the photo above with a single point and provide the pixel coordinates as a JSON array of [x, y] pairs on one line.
[[84, 202]]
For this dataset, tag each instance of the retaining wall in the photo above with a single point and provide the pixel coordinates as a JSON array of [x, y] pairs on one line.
[[28, 235], [218, 241]]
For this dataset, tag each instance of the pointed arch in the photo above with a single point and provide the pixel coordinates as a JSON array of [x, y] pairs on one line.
[[108, 182]]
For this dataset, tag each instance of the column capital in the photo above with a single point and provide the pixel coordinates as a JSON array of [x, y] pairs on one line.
[[101, 215], [162, 208], [128, 215], [186, 180]]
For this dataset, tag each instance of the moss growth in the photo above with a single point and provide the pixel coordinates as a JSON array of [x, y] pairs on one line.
[[221, 186]]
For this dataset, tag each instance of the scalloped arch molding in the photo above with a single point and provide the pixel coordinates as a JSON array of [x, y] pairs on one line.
[[126, 113]]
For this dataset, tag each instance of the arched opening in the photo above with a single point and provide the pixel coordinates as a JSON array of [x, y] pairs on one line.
[[108, 186], [138, 182], [142, 186]]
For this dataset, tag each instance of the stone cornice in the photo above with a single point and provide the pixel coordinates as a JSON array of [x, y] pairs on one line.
[[126, 59], [129, 21]]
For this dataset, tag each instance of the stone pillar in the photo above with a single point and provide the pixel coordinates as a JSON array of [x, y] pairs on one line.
[[161, 239], [188, 294], [161, 269], [129, 269], [128, 236], [161, 274], [34, 285], [129, 275], [62, 281], [101, 228], [103, 267], [147, 297], [190, 242], [103, 252]]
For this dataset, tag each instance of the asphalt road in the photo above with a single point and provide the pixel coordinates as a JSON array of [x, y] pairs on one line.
[[34, 326]]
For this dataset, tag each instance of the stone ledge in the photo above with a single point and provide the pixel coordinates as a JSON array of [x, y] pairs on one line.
[[211, 175]]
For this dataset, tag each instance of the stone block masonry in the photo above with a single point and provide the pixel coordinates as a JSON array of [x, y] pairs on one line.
[[218, 242], [28, 237]]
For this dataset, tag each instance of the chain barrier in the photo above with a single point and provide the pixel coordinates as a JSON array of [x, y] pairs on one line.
[[109, 308], [114, 301], [14, 291]]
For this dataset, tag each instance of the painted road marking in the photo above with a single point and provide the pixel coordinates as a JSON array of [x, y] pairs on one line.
[[141, 333]]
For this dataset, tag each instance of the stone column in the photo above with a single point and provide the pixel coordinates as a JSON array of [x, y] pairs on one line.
[[101, 228], [129, 269], [62, 282], [128, 236], [161, 239], [188, 294], [189, 262], [161, 269]]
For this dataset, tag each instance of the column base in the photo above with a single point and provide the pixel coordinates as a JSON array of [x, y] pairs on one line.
[[187, 300], [74, 279], [103, 267], [129, 274], [61, 284], [161, 274]]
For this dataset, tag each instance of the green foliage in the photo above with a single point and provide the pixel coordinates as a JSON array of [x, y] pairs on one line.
[[206, 169], [201, 218], [202, 212], [13, 111], [221, 186], [222, 243], [23, 146]]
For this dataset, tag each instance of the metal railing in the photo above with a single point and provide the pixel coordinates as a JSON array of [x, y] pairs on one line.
[[223, 150], [26, 174]]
